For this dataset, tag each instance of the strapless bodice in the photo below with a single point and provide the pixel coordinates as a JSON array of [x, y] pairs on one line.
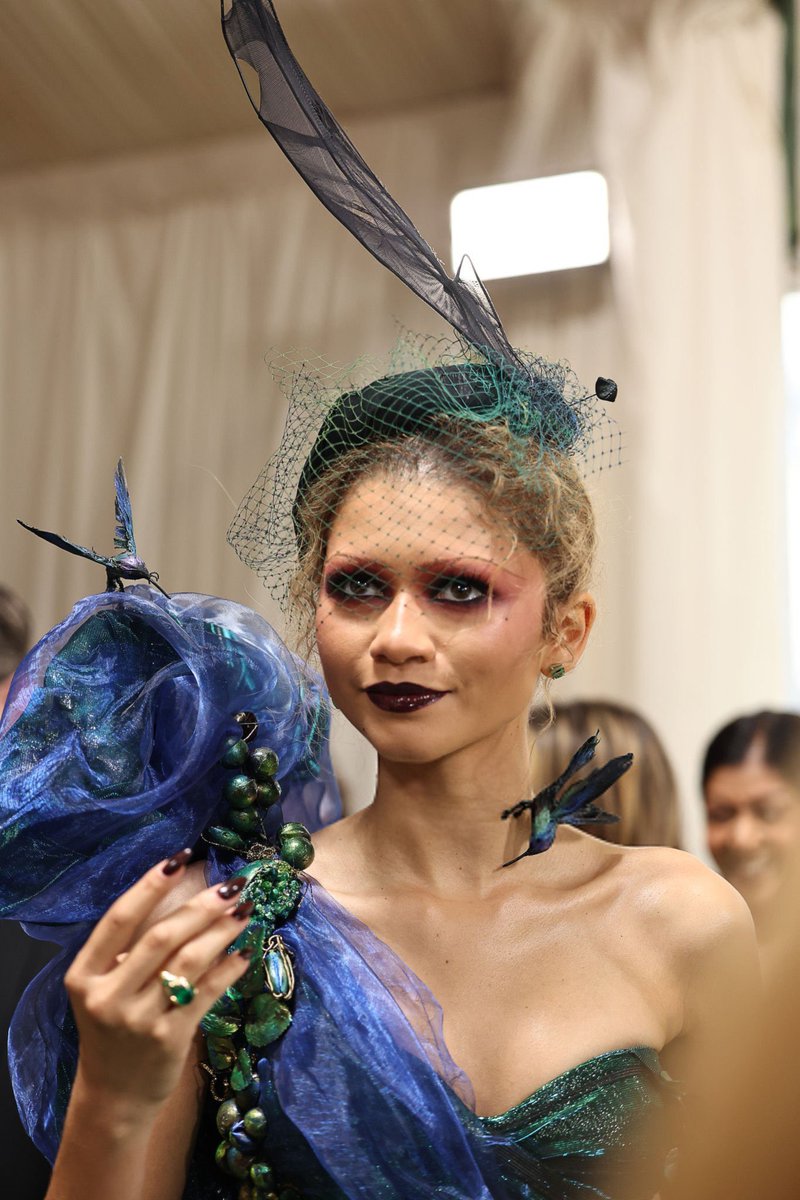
[[602, 1129], [606, 1126]]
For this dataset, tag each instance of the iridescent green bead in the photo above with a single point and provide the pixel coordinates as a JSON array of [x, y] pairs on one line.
[[227, 1116], [293, 829], [261, 1175], [297, 852], [219, 1156], [240, 791], [248, 1096], [218, 835], [247, 1191], [268, 793], [247, 821], [237, 1163], [237, 753], [255, 1123], [264, 763]]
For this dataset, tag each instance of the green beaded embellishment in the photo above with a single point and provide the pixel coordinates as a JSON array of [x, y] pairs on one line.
[[255, 1011]]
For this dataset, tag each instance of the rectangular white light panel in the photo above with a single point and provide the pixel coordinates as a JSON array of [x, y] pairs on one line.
[[536, 225]]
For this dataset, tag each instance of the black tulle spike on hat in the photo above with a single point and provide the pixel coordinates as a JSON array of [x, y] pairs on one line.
[[322, 153]]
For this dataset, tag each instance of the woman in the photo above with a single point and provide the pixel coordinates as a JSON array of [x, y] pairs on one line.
[[445, 585], [751, 787], [459, 1029], [646, 798]]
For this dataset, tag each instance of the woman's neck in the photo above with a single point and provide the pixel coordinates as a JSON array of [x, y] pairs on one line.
[[439, 824]]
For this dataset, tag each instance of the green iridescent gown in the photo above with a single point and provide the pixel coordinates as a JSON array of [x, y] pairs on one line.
[[604, 1128]]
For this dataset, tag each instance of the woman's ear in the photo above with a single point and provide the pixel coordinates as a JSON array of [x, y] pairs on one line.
[[573, 626]]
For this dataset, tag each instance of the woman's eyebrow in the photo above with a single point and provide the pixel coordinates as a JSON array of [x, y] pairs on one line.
[[364, 561], [443, 566]]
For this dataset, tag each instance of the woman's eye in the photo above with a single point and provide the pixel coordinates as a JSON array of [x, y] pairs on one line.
[[459, 589], [355, 585], [772, 813]]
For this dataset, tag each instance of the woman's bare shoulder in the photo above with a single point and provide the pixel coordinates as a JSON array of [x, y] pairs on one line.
[[685, 899]]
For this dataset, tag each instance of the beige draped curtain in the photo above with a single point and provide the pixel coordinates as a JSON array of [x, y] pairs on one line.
[[140, 298]]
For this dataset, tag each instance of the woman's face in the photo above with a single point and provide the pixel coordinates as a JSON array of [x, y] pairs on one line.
[[753, 828], [430, 621]]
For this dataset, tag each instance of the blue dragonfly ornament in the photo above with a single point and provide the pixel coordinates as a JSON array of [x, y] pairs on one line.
[[125, 564]]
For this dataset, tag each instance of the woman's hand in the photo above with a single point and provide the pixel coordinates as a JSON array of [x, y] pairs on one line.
[[134, 1043]]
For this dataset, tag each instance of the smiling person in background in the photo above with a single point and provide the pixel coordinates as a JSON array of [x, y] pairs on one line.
[[751, 786]]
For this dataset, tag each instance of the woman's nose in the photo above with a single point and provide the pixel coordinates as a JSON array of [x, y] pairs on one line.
[[745, 832], [402, 632]]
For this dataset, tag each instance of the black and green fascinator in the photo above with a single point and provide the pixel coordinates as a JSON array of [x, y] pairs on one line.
[[484, 379]]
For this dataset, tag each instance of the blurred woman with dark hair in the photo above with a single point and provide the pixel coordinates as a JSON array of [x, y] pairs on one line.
[[751, 787]]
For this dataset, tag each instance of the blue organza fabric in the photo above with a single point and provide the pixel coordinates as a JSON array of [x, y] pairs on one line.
[[109, 746]]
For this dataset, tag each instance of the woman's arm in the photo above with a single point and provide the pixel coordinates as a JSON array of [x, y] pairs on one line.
[[137, 1094]]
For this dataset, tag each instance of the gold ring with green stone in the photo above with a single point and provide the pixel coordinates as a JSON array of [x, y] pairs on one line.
[[178, 989]]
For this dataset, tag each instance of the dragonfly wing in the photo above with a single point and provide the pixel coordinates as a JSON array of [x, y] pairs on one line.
[[71, 547], [123, 533]]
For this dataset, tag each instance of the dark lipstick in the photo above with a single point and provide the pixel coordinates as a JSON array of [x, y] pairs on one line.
[[402, 697]]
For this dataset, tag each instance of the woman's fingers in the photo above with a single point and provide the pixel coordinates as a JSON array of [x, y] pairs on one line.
[[194, 934], [195, 958], [209, 974], [113, 933], [217, 979]]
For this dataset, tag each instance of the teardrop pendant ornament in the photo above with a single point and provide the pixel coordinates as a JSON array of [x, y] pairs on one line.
[[278, 968]]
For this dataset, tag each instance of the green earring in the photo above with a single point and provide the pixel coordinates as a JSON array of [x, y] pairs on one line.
[[557, 671]]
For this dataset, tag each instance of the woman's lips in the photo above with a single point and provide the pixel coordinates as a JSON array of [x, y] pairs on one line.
[[402, 697]]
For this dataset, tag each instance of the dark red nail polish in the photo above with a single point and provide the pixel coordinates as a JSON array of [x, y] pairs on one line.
[[232, 887], [177, 861], [243, 910]]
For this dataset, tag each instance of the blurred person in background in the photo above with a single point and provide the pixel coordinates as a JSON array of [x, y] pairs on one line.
[[751, 788], [25, 1171], [645, 799]]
